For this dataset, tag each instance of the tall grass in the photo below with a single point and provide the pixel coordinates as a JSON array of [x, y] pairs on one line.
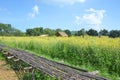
[[100, 53]]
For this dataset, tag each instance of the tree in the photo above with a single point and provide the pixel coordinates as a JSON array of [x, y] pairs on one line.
[[104, 32], [119, 33], [18, 33], [114, 33], [81, 32], [92, 32], [48, 31], [29, 32], [68, 32], [35, 31], [38, 31], [8, 30], [58, 29]]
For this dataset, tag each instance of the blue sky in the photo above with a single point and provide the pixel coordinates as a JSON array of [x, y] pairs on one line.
[[64, 14]]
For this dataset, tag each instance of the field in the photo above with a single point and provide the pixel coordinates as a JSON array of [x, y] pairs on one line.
[[91, 53]]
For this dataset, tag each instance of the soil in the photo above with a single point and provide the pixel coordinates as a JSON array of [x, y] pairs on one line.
[[6, 73]]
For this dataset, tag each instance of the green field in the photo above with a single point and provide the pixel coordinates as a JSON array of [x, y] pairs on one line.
[[91, 53]]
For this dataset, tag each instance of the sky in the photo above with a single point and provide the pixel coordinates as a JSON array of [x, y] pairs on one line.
[[64, 14]]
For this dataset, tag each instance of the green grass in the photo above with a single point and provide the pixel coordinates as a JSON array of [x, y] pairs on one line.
[[1, 56], [90, 53]]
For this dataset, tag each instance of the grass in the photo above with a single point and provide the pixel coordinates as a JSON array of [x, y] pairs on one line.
[[1, 56], [90, 53]]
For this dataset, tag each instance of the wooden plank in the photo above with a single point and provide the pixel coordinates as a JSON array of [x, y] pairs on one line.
[[93, 72], [28, 68], [16, 60], [10, 57]]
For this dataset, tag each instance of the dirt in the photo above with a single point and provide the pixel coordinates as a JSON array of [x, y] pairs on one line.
[[6, 73]]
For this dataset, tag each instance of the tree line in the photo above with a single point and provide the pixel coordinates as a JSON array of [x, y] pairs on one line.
[[103, 32], [8, 30], [91, 32]]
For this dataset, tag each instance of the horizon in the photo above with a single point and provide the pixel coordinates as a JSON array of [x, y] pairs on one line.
[[71, 14]]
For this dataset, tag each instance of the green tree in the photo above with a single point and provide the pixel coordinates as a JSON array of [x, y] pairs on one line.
[[92, 32], [8, 30], [58, 30], [104, 32], [50, 32], [114, 33], [35, 31], [29, 32], [81, 32], [68, 32]]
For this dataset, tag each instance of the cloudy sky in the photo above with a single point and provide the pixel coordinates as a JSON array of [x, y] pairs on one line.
[[64, 14]]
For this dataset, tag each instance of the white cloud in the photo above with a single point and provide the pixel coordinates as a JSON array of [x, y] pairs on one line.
[[63, 2], [35, 12], [92, 17], [35, 9]]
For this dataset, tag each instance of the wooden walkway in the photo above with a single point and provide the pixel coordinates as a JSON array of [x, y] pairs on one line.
[[51, 68]]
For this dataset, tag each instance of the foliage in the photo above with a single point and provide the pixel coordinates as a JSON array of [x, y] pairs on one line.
[[1, 56], [58, 29], [104, 32], [114, 33], [37, 76], [99, 53], [7, 30], [92, 32], [68, 32], [81, 32], [35, 31], [48, 31]]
